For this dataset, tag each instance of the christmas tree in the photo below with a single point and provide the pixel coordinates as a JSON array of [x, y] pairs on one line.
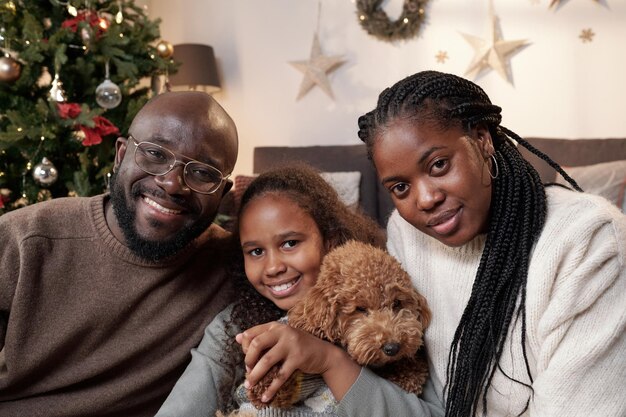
[[71, 81]]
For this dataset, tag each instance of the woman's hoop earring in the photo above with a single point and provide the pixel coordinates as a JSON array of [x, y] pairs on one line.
[[496, 168]]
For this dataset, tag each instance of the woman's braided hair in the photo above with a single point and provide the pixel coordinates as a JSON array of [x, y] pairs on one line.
[[517, 215], [337, 224]]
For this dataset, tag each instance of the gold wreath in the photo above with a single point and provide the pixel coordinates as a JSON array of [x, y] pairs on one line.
[[376, 22]]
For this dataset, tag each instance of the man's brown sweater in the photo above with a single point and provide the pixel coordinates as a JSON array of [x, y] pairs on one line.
[[86, 327]]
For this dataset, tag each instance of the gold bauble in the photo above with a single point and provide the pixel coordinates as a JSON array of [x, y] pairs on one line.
[[165, 49], [10, 69]]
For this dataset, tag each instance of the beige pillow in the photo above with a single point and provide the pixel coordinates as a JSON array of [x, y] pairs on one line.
[[345, 183], [347, 186], [607, 179]]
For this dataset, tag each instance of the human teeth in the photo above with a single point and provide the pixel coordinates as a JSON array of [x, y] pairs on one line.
[[159, 207], [282, 287]]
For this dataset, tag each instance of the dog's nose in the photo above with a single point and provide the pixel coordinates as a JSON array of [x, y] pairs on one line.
[[391, 349]]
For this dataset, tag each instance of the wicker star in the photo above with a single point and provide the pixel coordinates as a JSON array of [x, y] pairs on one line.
[[554, 3], [494, 54], [315, 70]]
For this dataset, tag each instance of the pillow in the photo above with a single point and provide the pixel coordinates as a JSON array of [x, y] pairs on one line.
[[346, 184], [607, 179]]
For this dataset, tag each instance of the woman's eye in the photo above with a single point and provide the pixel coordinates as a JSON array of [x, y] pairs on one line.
[[399, 189], [290, 244], [439, 166]]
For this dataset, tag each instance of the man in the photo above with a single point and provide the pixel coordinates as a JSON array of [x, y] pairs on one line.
[[102, 298]]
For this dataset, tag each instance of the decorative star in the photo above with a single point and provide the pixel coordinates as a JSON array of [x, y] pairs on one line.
[[441, 57], [586, 35], [315, 70], [557, 3], [492, 54]]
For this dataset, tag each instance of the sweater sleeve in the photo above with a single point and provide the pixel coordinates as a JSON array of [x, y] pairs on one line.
[[197, 391], [372, 395], [579, 339], [9, 272]]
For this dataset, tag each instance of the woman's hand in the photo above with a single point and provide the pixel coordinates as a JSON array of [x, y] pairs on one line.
[[271, 343]]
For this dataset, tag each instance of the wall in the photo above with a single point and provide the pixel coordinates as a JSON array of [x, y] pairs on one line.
[[562, 86]]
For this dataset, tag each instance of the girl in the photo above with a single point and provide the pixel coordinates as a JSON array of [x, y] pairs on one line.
[[527, 284], [288, 219]]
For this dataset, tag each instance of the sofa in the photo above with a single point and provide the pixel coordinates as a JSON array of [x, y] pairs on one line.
[[605, 159]]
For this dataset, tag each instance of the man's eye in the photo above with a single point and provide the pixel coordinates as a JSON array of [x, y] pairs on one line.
[[155, 154]]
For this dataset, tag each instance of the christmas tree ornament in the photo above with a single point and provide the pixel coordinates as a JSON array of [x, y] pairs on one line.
[[10, 5], [56, 91], [10, 69], [165, 49], [47, 23], [71, 9], [315, 70], [119, 16], [108, 94], [85, 35], [494, 53], [45, 78], [44, 195], [45, 173]]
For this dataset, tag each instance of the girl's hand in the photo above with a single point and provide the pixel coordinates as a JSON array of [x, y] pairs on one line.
[[271, 343]]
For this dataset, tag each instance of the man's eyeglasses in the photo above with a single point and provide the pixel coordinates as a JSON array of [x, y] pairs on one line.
[[156, 160]]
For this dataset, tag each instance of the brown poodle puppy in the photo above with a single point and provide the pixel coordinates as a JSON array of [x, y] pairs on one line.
[[363, 301]]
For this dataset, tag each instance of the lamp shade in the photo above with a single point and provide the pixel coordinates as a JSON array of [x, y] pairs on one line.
[[197, 67]]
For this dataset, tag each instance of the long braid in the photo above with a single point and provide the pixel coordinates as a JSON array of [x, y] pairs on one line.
[[517, 213]]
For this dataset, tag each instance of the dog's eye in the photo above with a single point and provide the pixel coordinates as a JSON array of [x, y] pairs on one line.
[[361, 310], [397, 305]]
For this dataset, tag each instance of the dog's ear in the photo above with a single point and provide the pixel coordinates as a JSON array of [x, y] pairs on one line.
[[423, 310], [316, 314]]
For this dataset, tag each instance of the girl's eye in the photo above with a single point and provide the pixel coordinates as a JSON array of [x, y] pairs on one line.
[[399, 189], [439, 166], [255, 252], [290, 244]]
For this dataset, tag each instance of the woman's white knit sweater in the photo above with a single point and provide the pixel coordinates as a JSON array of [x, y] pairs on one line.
[[575, 309]]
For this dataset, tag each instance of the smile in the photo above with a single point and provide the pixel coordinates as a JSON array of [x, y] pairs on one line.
[[159, 207], [283, 289]]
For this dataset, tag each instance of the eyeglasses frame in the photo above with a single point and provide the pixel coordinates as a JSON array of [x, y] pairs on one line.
[[176, 162]]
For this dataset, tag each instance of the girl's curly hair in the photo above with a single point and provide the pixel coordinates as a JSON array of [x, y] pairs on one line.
[[303, 185]]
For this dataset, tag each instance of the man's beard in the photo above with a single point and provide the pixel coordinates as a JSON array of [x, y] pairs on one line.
[[150, 250]]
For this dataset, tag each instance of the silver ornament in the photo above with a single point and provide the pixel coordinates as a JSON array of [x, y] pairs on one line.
[[45, 173], [56, 91], [108, 94]]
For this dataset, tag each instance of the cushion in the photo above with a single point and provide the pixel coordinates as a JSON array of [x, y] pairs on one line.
[[607, 179], [346, 184]]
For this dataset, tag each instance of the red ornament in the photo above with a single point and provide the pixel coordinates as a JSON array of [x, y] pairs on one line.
[[102, 127], [68, 110]]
